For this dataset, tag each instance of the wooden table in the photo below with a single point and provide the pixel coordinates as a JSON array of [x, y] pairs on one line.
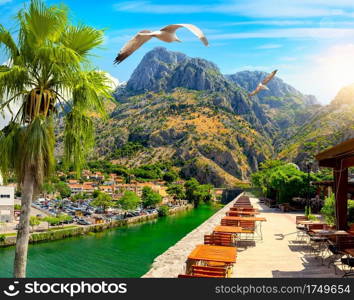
[[256, 219], [328, 232], [228, 229], [237, 208], [213, 253], [242, 212], [349, 251], [311, 222]]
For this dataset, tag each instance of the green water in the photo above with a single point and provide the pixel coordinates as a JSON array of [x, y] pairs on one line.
[[120, 252]]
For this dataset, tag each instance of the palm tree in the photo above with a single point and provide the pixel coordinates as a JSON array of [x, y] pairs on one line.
[[48, 72]]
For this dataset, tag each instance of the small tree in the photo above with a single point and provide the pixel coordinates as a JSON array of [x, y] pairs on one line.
[[163, 210], [63, 189], [48, 188], [34, 221], [95, 193], [170, 176], [150, 198], [129, 200], [177, 191], [329, 210], [197, 193], [103, 201], [52, 221], [64, 218], [78, 197]]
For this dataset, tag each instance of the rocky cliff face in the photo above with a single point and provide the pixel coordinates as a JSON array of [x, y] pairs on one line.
[[277, 89]]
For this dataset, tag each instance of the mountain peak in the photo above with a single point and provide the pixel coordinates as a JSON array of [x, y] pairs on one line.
[[344, 96], [164, 70], [278, 89]]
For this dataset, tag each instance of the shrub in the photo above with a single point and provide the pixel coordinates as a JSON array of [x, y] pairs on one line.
[[163, 210], [2, 238], [328, 210], [170, 176], [351, 211]]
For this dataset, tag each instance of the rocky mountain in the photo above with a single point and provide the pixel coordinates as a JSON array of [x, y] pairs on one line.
[[185, 110], [163, 70], [287, 107], [331, 125]]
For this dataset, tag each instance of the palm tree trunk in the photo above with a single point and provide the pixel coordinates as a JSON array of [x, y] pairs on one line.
[[23, 231]]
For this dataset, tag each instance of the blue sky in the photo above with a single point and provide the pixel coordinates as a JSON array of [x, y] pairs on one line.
[[310, 42]]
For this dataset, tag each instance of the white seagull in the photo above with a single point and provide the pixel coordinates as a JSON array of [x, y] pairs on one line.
[[263, 85], [166, 34]]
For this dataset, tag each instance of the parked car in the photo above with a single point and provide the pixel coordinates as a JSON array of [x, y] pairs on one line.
[[83, 222]]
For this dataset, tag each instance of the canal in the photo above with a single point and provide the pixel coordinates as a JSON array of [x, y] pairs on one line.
[[120, 252]]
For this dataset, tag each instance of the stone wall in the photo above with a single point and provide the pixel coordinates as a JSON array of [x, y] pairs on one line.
[[172, 262]]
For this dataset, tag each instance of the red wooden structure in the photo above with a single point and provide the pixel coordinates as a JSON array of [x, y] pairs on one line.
[[339, 158]]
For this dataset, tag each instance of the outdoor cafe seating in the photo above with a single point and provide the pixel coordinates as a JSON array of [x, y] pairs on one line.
[[209, 261]]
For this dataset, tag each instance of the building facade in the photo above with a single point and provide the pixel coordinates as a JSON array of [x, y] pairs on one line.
[[7, 201]]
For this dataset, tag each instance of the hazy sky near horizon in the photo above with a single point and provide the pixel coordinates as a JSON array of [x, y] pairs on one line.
[[311, 42]]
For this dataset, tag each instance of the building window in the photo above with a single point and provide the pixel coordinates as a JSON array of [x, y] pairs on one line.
[[4, 196]]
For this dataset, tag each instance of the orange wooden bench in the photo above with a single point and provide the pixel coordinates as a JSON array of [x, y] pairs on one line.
[[209, 271]]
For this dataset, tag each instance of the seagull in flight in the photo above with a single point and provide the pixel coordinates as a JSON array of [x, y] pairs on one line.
[[263, 85], [166, 34]]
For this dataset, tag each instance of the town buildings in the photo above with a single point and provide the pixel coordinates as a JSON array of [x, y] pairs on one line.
[[7, 199]]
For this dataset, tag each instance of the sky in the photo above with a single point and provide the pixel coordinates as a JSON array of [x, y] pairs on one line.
[[311, 43]]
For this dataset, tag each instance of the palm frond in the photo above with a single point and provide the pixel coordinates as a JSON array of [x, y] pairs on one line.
[[58, 55], [90, 88], [38, 154], [12, 81], [78, 139], [82, 38], [44, 23], [9, 145], [9, 44]]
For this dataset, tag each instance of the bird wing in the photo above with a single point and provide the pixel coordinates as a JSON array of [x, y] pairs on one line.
[[255, 91], [136, 42], [194, 29], [269, 77]]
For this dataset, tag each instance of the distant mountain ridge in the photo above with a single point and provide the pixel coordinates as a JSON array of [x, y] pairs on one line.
[[332, 124]]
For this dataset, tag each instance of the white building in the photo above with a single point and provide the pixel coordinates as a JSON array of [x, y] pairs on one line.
[[7, 201]]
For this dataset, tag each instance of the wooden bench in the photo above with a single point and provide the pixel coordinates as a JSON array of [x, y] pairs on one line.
[[219, 239], [196, 276], [209, 271]]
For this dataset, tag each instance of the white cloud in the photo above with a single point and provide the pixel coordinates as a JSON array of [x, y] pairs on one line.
[[148, 7], [258, 8], [270, 22], [270, 46], [4, 1], [314, 33]]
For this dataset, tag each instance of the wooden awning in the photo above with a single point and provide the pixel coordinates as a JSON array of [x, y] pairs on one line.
[[339, 156]]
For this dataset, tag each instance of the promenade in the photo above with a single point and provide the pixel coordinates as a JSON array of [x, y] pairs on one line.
[[278, 255]]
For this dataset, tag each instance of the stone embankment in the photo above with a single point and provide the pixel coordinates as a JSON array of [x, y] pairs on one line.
[[62, 233]]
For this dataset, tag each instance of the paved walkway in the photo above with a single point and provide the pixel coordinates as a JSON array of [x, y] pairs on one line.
[[278, 255]]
